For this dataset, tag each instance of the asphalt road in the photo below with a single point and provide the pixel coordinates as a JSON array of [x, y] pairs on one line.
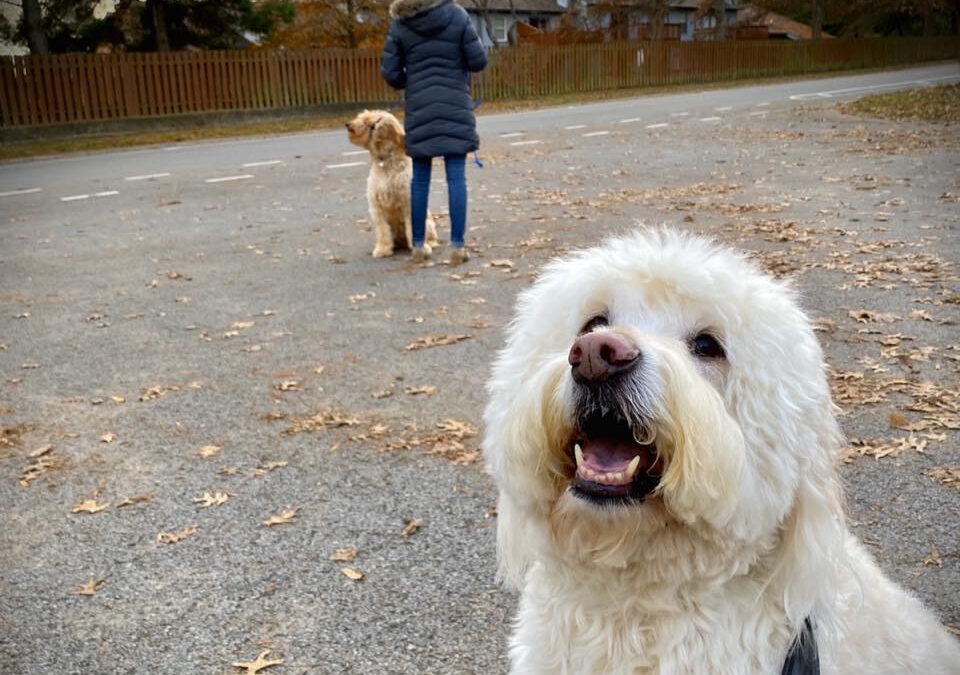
[[183, 360]]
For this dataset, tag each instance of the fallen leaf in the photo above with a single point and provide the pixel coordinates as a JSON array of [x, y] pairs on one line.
[[502, 262], [933, 558], [283, 518], [209, 451], [89, 587], [319, 370], [118, 399], [89, 506], [216, 499], [411, 526], [898, 421], [945, 475], [107, 438], [416, 391], [435, 341], [383, 393], [261, 663], [351, 574], [139, 499], [42, 450], [174, 537], [345, 554], [240, 325], [288, 385]]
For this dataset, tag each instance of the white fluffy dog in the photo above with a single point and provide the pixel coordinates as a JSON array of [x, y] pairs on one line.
[[662, 436], [388, 183]]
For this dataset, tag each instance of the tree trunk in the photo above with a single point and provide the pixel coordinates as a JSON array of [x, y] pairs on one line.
[[816, 18], [162, 42], [33, 25], [720, 9]]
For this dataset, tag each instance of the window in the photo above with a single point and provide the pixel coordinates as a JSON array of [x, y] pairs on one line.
[[499, 28]]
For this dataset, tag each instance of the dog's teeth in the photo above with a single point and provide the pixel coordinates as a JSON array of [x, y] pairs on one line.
[[578, 453], [632, 469], [618, 476]]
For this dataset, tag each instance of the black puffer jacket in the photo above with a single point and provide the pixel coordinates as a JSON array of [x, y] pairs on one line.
[[430, 48]]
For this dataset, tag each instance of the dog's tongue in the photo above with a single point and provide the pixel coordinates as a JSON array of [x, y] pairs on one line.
[[608, 455]]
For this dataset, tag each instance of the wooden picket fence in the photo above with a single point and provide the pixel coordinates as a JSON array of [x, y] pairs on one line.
[[40, 90]]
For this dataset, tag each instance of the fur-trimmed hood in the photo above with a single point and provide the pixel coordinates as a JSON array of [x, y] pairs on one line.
[[406, 9]]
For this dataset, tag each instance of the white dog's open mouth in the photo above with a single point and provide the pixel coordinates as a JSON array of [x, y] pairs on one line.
[[613, 465]]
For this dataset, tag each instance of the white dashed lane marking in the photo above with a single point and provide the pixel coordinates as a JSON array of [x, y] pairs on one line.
[[226, 179], [344, 165], [525, 143], [724, 108], [659, 125], [147, 176], [572, 127], [759, 113], [74, 198], [629, 120], [679, 114], [596, 133], [513, 134], [709, 119], [268, 162], [353, 153], [106, 193], [23, 191]]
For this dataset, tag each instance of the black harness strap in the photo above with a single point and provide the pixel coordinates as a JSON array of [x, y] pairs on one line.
[[803, 657]]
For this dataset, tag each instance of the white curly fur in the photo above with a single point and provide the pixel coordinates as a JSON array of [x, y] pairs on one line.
[[745, 535]]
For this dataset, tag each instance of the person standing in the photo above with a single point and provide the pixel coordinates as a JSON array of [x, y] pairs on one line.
[[430, 49]]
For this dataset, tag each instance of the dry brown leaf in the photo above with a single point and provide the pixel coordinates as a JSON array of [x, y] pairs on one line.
[[898, 421], [240, 325], [154, 392], [933, 558], [285, 517], [216, 499], [208, 451], [321, 421], [351, 574], [866, 316], [108, 438], [39, 452], [266, 467], [411, 525], [319, 370], [179, 535], [261, 663], [383, 393], [426, 390], [945, 475], [89, 506], [89, 587], [346, 554], [118, 399], [435, 341], [457, 429], [288, 385], [502, 262], [139, 499]]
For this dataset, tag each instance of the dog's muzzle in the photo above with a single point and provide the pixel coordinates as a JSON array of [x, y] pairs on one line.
[[612, 446]]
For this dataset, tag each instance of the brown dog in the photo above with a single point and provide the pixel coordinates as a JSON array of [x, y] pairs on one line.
[[388, 185]]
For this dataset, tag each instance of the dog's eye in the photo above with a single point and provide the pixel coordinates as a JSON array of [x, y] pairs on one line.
[[595, 322], [707, 346]]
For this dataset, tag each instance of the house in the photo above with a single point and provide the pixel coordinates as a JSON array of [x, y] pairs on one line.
[[495, 19], [684, 19], [778, 27]]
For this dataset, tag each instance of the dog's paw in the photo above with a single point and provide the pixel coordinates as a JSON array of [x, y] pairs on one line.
[[382, 252]]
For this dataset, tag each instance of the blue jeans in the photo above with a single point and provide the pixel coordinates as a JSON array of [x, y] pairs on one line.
[[456, 194]]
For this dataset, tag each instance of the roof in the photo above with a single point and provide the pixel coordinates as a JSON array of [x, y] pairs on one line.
[[777, 24], [524, 6]]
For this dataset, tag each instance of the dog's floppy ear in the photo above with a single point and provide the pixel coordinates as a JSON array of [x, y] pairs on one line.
[[387, 136]]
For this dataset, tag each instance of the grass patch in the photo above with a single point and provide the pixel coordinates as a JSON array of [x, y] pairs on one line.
[[932, 104]]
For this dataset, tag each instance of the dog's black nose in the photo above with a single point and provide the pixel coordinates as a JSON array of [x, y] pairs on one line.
[[597, 356]]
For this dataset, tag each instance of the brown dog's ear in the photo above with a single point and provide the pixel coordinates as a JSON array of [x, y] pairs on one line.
[[387, 136]]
